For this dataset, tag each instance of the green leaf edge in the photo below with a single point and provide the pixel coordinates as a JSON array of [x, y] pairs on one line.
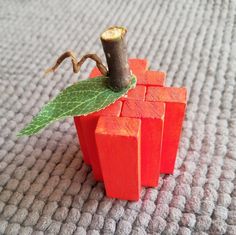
[[132, 85]]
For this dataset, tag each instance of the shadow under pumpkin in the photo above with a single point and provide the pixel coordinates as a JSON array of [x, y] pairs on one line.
[[131, 142]]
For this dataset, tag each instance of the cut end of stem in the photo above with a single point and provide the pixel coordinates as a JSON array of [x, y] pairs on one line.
[[113, 33]]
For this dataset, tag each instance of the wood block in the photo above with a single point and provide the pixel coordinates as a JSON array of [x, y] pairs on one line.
[[138, 93], [138, 65], [95, 73], [145, 77], [153, 78], [152, 119], [83, 145], [118, 143], [88, 124], [175, 100]]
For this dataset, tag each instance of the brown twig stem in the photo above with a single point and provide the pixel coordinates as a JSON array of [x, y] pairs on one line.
[[114, 46]]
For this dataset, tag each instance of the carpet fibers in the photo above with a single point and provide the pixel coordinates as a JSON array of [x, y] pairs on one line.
[[45, 188]]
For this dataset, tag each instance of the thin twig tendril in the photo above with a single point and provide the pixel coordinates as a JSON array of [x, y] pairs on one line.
[[77, 64]]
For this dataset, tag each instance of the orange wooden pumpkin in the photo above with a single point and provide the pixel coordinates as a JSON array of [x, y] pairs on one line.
[[131, 142]]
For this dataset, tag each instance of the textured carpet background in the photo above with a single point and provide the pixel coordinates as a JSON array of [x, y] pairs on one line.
[[45, 186]]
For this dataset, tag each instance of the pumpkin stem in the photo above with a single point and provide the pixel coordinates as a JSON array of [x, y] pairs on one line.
[[115, 49]]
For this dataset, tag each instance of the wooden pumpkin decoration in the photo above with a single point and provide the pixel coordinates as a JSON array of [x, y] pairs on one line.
[[131, 142], [128, 123]]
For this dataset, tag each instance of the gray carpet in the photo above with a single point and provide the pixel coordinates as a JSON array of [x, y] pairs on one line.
[[45, 188]]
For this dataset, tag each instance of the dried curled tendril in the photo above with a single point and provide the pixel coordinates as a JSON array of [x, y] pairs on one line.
[[77, 64]]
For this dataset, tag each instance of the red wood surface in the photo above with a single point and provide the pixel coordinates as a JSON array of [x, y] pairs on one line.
[[153, 78], [82, 141], [146, 77], [95, 73], [152, 119], [138, 65], [132, 150], [118, 142], [135, 94], [86, 135], [175, 100]]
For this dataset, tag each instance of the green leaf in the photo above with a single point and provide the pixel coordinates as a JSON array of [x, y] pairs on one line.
[[81, 98]]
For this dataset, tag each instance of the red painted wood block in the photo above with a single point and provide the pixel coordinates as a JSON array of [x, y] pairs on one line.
[[152, 119], [145, 77], [82, 140], [118, 143], [135, 94], [86, 135], [153, 78], [138, 65], [175, 100], [95, 73], [131, 148]]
